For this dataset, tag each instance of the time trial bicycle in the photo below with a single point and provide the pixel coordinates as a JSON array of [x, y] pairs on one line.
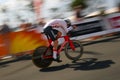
[[42, 56]]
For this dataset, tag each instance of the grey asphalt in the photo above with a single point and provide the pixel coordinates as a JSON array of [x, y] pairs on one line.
[[100, 61]]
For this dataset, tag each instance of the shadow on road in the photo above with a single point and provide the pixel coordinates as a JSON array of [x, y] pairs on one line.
[[83, 64], [91, 64], [54, 68]]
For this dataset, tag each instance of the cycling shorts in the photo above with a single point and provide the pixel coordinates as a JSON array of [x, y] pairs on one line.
[[52, 33]]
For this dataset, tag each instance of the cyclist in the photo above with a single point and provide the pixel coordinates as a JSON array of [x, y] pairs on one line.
[[55, 29]]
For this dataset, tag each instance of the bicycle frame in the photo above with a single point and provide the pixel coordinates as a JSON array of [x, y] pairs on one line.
[[67, 40]]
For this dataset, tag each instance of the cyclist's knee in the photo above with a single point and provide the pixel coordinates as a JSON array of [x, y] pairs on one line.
[[59, 34]]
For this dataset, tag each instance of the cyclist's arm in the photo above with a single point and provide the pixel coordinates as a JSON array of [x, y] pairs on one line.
[[71, 28]]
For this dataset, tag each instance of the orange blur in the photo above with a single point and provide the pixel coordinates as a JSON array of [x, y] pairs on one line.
[[22, 41]]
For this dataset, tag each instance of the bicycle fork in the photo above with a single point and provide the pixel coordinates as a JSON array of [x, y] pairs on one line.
[[70, 42], [72, 45]]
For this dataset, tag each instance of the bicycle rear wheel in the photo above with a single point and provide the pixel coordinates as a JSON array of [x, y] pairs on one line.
[[37, 57], [74, 54]]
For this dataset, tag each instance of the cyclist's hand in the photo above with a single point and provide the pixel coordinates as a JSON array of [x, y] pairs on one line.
[[69, 33], [74, 27]]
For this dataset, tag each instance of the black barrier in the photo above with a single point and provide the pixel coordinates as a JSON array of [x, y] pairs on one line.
[[87, 28]]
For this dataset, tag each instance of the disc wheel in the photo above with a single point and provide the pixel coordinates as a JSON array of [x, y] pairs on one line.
[[37, 57]]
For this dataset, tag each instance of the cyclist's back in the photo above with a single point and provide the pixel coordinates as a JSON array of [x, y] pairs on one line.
[[58, 24]]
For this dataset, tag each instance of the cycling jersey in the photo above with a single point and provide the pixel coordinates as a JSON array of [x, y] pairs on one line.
[[54, 26], [60, 25]]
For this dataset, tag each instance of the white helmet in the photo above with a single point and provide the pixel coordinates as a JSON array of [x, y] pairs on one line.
[[68, 22]]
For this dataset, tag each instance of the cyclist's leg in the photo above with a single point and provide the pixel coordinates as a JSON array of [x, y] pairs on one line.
[[52, 33], [55, 39], [55, 46]]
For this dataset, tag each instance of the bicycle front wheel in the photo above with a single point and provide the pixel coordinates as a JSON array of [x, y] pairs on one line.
[[76, 53]]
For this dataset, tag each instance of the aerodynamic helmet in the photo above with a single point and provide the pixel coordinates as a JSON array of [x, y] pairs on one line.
[[68, 22]]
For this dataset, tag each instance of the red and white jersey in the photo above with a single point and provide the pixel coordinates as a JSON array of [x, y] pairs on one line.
[[58, 24]]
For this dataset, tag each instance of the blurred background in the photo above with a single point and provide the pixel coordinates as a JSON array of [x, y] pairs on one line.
[[22, 20], [15, 12]]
